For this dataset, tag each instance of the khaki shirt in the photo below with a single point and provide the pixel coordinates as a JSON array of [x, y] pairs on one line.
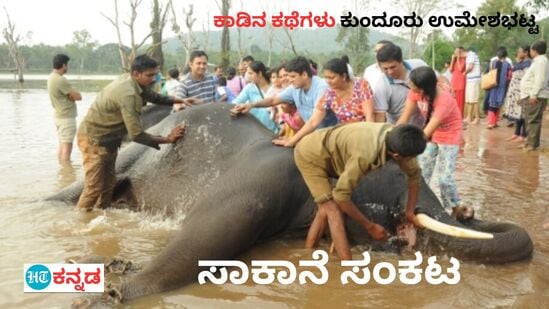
[[117, 111], [58, 89], [354, 149]]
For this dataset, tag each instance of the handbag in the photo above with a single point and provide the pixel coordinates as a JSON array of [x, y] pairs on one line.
[[489, 80]]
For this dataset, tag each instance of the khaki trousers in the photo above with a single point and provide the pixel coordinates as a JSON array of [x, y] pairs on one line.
[[99, 174], [533, 115]]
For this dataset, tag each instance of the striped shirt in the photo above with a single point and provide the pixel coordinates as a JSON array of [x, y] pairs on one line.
[[202, 89]]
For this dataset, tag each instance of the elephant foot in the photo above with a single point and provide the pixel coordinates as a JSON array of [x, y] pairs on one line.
[[463, 213], [114, 265], [108, 299], [119, 266]]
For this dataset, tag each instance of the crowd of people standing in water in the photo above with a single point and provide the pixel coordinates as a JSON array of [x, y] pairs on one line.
[[342, 126]]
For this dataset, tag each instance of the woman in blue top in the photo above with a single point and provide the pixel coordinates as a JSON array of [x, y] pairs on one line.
[[496, 95], [259, 85]]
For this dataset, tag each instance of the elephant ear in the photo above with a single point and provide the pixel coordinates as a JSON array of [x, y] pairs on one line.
[[446, 229]]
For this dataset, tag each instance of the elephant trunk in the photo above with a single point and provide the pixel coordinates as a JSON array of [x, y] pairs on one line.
[[509, 242]]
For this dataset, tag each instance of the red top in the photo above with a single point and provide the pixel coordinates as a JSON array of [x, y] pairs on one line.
[[458, 74], [444, 109]]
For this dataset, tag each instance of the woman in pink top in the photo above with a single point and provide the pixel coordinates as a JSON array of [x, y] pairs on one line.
[[235, 83], [349, 99], [443, 129]]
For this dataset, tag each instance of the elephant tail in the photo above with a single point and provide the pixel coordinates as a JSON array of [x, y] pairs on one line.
[[69, 194]]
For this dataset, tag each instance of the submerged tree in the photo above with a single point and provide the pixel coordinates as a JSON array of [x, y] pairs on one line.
[[188, 41], [159, 19], [127, 54], [225, 37], [13, 39]]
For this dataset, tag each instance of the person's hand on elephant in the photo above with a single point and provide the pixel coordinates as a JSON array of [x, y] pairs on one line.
[[282, 142], [241, 109], [377, 232], [193, 101], [177, 133], [180, 104]]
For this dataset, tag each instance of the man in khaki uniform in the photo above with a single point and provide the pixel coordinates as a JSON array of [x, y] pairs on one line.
[[348, 152], [115, 113], [63, 98]]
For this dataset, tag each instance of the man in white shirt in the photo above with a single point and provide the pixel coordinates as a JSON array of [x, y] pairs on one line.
[[472, 87], [372, 73], [391, 88], [534, 91]]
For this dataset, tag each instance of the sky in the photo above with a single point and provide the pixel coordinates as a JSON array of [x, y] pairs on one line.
[[54, 21]]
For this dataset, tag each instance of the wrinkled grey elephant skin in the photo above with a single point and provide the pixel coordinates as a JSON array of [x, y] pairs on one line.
[[237, 189]]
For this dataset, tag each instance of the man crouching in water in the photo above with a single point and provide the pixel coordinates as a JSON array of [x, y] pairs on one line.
[[348, 152], [115, 113]]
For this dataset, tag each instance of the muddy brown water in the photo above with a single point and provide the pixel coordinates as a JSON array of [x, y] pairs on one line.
[[494, 176]]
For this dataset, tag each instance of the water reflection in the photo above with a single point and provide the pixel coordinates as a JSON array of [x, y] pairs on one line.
[[527, 176], [66, 174]]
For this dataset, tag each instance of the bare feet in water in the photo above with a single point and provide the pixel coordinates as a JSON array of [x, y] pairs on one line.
[[512, 138], [520, 139]]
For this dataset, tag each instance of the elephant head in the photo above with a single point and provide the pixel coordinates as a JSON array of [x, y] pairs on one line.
[[382, 196]]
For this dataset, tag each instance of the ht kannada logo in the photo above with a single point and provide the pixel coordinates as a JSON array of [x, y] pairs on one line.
[[38, 277], [64, 278]]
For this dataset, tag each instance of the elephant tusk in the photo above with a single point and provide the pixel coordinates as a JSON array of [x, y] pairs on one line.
[[446, 229]]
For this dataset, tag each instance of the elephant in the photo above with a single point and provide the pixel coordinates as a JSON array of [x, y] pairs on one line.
[[236, 190]]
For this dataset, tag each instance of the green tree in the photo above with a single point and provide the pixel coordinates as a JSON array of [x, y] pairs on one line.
[[106, 58], [355, 39], [355, 45], [487, 39], [438, 44], [81, 48], [13, 39], [38, 58], [422, 8], [539, 5]]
